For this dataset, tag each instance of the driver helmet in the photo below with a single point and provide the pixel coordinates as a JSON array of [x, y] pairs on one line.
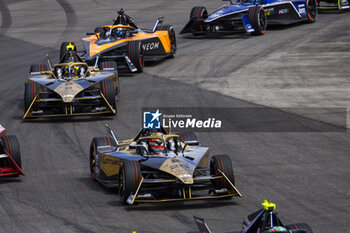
[[120, 32], [156, 145]]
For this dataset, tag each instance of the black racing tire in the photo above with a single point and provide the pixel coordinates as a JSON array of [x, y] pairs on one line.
[[108, 64], [129, 179], [95, 143], [224, 163], [187, 136], [257, 18], [172, 37], [311, 9], [38, 68], [136, 55], [198, 12], [301, 226], [109, 92], [63, 48], [111, 64], [11, 145], [31, 90]]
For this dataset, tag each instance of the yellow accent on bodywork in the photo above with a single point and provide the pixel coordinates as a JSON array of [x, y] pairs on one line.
[[70, 47], [268, 206]]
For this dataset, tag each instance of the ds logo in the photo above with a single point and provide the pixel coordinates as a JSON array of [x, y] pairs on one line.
[[151, 120]]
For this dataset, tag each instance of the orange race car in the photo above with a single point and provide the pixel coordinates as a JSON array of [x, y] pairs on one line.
[[128, 45]]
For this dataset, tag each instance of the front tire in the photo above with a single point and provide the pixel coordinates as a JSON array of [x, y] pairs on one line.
[[136, 55], [257, 18], [311, 8], [38, 68], [109, 92], [224, 164], [31, 90], [11, 145], [129, 179], [303, 226], [97, 142]]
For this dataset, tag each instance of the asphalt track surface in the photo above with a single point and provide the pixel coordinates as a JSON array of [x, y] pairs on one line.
[[305, 173]]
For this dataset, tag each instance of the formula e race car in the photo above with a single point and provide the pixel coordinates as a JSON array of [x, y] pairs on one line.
[[156, 166], [250, 16], [128, 45], [340, 5], [10, 155], [262, 221], [71, 87]]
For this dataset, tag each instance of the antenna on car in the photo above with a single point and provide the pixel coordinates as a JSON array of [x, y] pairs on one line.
[[110, 131], [159, 21], [49, 61]]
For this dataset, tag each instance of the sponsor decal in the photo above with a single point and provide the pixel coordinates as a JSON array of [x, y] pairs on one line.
[[273, 11], [301, 8], [216, 14], [150, 46], [151, 120], [244, 119], [110, 162], [191, 123], [283, 11]]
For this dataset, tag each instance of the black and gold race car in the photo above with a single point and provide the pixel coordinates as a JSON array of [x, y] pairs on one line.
[[156, 166], [129, 46], [71, 88]]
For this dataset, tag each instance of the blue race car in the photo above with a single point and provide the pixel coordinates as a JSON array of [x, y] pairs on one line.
[[250, 16]]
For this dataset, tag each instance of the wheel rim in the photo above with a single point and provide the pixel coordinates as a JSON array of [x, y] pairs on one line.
[[312, 10], [121, 185], [262, 20], [93, 165], [141, 57], [173, 42]]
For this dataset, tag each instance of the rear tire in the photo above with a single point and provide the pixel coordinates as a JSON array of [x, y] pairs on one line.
[[111, 64], [257, 18], [96, 142], [11, 145], [108, 90], [38, 68], [311, 9], [224, 163], [303, 226], [129, 179], [136, 55], [187, 136], [63, 49], [172, 38], [198, 12], [31, 90]]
